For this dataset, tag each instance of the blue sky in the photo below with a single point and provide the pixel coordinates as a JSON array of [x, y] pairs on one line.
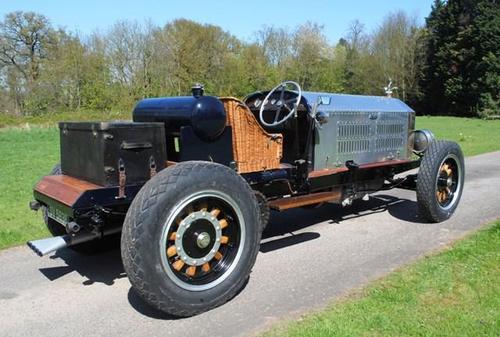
[[241, 18]]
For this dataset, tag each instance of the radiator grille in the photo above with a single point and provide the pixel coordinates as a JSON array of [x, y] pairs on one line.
[[353, 137], [387, 144], [353, 146], [391, 116], [354, 130], [390, 129]]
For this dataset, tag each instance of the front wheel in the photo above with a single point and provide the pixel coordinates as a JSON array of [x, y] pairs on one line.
[[440, 181], [191, 237]]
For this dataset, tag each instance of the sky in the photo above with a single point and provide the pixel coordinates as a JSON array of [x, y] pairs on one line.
[[241, 18]]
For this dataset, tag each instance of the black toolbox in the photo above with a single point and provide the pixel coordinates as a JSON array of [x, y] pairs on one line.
[[102, 152]]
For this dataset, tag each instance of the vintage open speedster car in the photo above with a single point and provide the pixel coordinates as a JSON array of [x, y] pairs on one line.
[[191, 181]]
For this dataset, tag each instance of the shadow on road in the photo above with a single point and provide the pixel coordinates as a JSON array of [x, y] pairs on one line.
[[293, 239], [145, 309], [403, 209], [286, 223], [280, 233], [98, 268]]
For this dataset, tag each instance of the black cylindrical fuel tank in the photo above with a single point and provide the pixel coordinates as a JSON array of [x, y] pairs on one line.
[[205, 114]]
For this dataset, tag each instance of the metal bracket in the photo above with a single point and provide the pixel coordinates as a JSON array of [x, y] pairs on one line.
[[152, 167], [122, 179]]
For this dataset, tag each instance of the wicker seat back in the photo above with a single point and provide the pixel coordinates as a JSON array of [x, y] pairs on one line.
[[253, 148]]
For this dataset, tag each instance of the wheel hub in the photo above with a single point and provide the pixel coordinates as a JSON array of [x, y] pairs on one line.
[[203, 240], [446, 183], [449, 182], [198, 238]]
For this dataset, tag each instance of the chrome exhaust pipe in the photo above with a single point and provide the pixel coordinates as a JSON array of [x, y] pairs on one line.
[[46, 246]]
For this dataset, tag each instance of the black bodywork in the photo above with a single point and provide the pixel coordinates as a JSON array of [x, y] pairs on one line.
[[100, 152]]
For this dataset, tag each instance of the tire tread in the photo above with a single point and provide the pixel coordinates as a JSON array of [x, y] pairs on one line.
[[428, 208], [133, 235]]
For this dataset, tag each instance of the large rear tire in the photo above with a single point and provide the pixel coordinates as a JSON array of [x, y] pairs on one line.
[[191, 237], [440, 181]]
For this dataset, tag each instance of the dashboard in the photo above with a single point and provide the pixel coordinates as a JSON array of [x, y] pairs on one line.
[[255, 101]]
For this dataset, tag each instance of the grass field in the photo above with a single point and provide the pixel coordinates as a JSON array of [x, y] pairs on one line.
[[26, 156], [454, 293], [29, 153], [51, 119], [475, 136]]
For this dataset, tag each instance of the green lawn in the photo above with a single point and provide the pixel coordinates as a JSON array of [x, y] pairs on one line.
[[27, 154], [475, 136], [51, 119], [25, 157], [454, 293]]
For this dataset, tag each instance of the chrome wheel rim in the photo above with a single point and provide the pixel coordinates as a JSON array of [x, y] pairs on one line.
[[202, 240], [448, 182]]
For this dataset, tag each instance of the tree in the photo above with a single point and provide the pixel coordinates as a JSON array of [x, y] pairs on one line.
[[451, 66], [25, 38], [395, 47], [276, 44], [96, 87], [303, 55], [192, 52], [485, 37], [461, 73], [310, 55], [358, 63], [129, 49]]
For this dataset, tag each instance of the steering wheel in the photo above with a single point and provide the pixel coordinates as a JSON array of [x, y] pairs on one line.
[[281, 103]]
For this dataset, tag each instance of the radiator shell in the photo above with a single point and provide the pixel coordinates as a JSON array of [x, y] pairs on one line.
[[364, 129]]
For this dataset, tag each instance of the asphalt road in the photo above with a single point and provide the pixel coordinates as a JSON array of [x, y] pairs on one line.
[[307, 258]]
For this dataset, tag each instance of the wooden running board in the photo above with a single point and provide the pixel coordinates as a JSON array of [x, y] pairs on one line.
[[304, 200]]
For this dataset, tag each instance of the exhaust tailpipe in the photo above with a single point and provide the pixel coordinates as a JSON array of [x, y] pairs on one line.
[[46, 246]]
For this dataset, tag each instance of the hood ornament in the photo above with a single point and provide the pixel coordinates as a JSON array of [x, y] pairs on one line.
[[389, 89]]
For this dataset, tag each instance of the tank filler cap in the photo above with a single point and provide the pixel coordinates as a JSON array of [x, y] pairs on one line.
[[197, 90]]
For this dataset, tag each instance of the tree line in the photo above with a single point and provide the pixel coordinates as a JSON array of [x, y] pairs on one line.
[[450, 65]]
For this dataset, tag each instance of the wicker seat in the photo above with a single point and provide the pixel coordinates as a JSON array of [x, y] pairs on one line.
[[253, 148]]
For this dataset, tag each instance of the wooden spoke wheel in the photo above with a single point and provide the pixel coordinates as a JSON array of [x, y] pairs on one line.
[[447, 181], [203, 240], [440, 181], [190, 237]]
